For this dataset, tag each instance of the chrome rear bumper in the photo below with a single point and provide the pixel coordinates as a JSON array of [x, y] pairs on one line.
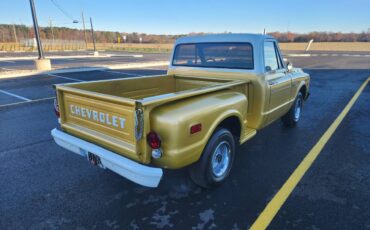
[[138, 173]]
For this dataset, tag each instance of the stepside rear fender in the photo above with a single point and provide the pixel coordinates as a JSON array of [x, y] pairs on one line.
[[173, 121]]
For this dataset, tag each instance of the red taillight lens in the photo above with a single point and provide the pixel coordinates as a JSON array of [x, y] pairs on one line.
[[153, 140], [56, 108]]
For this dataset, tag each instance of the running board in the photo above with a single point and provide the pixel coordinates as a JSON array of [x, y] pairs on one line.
[[248, 134]]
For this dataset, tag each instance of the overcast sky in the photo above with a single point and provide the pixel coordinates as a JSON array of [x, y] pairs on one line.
[[180, 16]]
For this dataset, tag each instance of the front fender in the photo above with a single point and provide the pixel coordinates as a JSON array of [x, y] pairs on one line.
[[300, 79], [173, 121]]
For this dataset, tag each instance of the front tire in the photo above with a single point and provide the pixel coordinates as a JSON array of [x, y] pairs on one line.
[[216, 161], [294, 114]]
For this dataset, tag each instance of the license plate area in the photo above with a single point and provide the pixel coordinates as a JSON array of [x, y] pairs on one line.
[[94, 160]]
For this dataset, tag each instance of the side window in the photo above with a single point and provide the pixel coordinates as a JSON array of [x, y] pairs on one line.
[[271, 61]]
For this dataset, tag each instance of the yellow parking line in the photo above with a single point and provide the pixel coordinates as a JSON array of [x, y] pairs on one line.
[[265, 218]]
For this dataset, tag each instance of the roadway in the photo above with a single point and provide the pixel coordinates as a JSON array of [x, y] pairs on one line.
[[45, 187], [74, 59]]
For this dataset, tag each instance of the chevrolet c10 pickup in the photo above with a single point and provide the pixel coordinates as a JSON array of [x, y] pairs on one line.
[[218, 91]]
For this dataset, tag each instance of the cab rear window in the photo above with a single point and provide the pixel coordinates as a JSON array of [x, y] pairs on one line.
[[214, 55]]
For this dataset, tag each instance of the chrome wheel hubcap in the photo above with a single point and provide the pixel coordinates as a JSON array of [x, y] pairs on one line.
[[221, 159], [298, 108]]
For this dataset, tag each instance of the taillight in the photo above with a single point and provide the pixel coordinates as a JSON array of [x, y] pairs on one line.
[[56, 108], [153, 140]]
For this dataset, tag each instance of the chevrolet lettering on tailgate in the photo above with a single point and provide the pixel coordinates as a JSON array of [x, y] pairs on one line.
[[100, 117]]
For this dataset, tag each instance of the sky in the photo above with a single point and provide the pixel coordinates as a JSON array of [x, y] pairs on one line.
[[185, 16]]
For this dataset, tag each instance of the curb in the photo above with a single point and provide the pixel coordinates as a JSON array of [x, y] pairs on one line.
[[135, 65], [297, 55], [71, 56]]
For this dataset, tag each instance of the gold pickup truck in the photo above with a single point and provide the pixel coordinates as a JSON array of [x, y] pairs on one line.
[[218, 91]]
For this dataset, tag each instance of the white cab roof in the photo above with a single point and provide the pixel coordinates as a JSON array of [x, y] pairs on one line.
[[251, 38]]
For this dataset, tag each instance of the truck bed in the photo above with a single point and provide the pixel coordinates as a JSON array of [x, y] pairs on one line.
[[93, 110], [149, 88]]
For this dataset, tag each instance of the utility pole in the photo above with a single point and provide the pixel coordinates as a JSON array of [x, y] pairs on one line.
[[15, 34], [308, 45], [41, 63], [93, 37], [83, 24], [36, 28]]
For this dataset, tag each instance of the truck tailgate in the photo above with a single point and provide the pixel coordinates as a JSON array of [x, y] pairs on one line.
[[102, 119]]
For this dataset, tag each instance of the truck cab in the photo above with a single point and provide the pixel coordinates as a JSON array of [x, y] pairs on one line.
[[274, 83]]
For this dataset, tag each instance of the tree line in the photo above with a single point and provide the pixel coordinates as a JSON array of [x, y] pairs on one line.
[[9, 33], [322, 37]]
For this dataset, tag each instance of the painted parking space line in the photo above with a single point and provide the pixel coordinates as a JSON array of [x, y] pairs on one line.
[[116, 61], [267, 215], [67, 78], [122, 73], [26, 102], [14, 95], [7, 69], [8, 61], [327, 55], [126, 55], [158, 69]]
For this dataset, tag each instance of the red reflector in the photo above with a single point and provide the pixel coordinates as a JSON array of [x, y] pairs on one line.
[[195, 128], [56, 108], [153, 140]]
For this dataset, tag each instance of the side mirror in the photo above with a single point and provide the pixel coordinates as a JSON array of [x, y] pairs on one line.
[[268, 68], [289, 66]]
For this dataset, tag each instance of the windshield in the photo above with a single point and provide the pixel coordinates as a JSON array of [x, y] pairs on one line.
[[214, 55]]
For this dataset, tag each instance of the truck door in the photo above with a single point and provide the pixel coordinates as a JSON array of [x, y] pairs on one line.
[[278, 80]]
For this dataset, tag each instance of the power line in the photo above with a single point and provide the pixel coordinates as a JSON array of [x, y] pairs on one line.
[[62, 10]]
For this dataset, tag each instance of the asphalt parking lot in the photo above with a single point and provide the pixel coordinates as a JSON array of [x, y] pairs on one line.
[[43, 186], [60, 60]]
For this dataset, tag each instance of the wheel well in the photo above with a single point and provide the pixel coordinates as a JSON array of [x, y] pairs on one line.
[[233, 125], [303, 90]]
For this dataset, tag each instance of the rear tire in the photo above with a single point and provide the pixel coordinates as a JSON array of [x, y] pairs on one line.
[[294, 114], [216, 161]]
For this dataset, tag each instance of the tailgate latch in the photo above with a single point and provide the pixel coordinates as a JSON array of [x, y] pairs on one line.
[[139, 124]]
